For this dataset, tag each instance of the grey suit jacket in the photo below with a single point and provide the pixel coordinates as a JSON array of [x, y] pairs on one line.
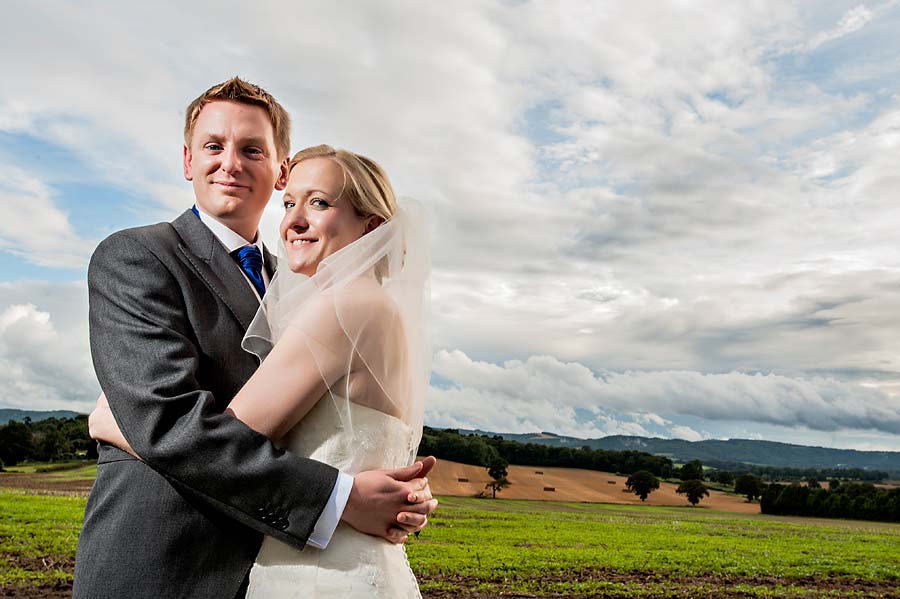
[[168, 310]]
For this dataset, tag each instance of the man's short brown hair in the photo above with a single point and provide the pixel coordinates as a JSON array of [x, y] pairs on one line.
[[243, 92]]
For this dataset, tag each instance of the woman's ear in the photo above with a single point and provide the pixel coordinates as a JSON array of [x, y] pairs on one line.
[[373, 222]]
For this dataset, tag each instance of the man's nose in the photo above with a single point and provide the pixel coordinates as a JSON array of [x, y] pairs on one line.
[[231, 160]]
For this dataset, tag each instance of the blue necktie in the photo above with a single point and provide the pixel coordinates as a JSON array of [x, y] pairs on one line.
[[251, 261]]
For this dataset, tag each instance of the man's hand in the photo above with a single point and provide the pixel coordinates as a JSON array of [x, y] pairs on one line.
[[102, 426], [391, 503]]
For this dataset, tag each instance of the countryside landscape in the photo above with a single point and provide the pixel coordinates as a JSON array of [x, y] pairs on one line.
[[546, 531]]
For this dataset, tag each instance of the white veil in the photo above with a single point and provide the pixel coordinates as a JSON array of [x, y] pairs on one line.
[[370, 333]]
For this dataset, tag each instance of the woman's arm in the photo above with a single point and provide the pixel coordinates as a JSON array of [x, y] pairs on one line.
[[292, 378], [312, 354]]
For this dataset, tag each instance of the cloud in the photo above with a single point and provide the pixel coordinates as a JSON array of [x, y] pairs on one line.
[[686, 433], [692, 189], [33, 227], [44, 356], [570, 395], [853, 20]]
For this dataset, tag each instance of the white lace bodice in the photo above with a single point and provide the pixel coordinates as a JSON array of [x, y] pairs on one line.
[[354, 565], [377, 440]]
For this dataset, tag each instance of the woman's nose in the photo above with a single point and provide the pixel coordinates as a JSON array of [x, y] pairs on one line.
[[296, 219]]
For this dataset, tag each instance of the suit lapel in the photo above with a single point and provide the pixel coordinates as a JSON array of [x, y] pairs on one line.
[[215, 267], [270, 262]]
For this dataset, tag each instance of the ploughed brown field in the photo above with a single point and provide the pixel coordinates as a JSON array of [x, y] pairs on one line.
[[569, 484]]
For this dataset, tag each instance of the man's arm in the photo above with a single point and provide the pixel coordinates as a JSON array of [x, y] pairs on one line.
[[146, 361]]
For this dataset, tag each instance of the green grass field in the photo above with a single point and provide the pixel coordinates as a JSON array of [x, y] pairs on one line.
[[485, 548], [544, 548], [38, 534]]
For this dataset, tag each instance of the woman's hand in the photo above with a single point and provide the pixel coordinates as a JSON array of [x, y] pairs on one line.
[[103, 427]]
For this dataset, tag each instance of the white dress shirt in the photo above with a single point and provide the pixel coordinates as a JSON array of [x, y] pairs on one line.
[[334, 509]]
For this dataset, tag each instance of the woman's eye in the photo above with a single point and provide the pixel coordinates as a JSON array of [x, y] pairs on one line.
[[288, 205], [318, 203]]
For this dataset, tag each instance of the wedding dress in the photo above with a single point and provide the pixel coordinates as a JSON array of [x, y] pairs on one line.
[[363, 320], [354, 565]]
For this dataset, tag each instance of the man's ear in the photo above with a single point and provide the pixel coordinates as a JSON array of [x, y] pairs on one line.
[[187, 164], [373, 223], [281, 182]]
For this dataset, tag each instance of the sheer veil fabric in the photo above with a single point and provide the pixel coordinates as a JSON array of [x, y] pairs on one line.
[[364, 316]]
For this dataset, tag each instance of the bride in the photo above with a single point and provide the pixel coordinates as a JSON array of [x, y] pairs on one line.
[[344, 340]]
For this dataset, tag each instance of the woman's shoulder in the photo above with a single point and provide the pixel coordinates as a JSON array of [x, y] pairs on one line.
[[365, 304], [366, 293]]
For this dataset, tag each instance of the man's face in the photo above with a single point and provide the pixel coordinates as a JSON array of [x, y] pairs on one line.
[[233, 164]]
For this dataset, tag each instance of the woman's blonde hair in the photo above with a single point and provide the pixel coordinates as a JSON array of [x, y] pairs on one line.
[[366, 185]]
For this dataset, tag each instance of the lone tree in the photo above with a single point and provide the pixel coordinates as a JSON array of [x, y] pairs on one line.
[[723, 477], [693, 470], [695, 490], [642, 483], [749, 485], [497, 471]]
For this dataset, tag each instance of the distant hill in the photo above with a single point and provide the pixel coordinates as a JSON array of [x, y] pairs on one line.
[[743, 451], [7, 414]]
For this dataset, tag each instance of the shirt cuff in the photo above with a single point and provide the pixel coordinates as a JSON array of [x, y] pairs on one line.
[[331, 515]]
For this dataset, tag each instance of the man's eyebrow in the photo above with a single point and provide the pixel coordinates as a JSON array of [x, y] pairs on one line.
[[255, 141]]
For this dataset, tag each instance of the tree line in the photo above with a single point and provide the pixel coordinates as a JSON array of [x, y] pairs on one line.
[[49, 440], [859, 501], [482, 450], [784, 473]]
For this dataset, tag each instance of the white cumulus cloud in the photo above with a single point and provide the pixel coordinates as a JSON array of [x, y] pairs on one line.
[[569, 395], [45, 361]]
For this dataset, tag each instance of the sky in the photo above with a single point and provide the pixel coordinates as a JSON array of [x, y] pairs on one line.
[[672, 219]]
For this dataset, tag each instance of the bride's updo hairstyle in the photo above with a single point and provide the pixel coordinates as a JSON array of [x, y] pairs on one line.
[[366, 185]]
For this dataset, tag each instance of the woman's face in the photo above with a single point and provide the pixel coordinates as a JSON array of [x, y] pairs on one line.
[[317, 222]]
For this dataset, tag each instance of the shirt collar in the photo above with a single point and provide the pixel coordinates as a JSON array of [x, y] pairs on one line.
[[229, 238]]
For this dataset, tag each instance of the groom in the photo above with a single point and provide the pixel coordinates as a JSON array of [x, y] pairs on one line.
[[169, 304]]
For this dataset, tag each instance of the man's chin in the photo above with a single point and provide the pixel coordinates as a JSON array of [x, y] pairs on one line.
[[225, 205]]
